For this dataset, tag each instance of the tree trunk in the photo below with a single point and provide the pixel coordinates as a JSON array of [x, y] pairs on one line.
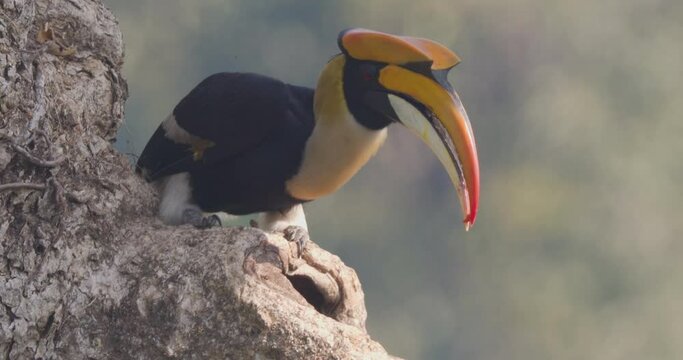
[[88, 271]]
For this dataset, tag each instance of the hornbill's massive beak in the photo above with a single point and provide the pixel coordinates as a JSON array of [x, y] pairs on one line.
[[415, 75]]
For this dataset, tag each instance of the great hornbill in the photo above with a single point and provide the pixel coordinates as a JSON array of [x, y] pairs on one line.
[[245, 143]]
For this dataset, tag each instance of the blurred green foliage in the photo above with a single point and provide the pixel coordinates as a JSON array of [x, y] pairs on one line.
[[577, 108]]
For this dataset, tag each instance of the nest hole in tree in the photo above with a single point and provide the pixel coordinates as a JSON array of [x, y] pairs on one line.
[[307, 288]]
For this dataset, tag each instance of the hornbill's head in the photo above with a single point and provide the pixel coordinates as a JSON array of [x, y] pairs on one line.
[[388, 78]]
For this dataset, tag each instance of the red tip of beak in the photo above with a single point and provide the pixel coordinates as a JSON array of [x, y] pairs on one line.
[[469, 220], [472, 189]]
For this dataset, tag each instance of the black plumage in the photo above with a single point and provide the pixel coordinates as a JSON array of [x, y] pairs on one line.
[[257, 127]]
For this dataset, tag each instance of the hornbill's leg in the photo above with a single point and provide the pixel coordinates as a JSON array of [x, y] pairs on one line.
[[291, 222], [177, 207], [194, 216]]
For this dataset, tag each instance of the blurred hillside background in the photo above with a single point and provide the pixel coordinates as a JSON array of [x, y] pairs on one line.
[[577, 107]]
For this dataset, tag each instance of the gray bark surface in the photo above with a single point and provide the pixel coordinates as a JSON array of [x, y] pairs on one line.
[[88, 272]]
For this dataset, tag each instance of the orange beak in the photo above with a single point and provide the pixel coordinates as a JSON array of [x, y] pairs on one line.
[[415, 76]]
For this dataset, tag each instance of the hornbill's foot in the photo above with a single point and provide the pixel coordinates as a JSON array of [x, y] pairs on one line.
[[299, 235], [198, 220], [210, 221]]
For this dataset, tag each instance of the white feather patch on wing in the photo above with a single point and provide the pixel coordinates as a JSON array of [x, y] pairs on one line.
[[176, 133]]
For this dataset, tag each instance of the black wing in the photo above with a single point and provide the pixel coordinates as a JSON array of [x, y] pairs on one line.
[[227, 113]]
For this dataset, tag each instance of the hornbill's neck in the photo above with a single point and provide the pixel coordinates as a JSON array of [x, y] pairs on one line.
[[339, 145]]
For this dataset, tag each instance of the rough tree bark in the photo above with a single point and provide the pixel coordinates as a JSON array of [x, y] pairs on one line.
[[88, 272]]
